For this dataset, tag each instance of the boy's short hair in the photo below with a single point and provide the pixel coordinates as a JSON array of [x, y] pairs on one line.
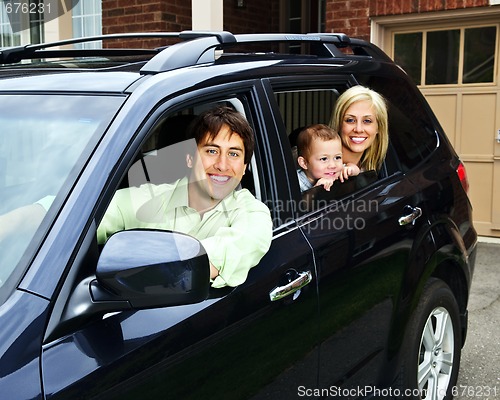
[[311, 132], [210, 122]]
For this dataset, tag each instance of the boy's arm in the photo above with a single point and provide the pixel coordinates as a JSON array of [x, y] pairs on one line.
[[326, 183], [350, 169]]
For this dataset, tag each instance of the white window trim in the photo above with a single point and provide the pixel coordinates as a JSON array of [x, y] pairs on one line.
[[381, 25]]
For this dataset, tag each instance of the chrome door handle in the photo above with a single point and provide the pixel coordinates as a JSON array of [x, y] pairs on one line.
[[411, 217], [300, 280]]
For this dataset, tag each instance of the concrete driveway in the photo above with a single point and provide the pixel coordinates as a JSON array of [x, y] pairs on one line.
[[479, 376]]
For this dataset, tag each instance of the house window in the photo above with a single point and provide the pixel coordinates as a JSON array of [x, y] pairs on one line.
[[7, 28], [18, 26], [36, 21], [87, 21], [302, 16], [447, 57]]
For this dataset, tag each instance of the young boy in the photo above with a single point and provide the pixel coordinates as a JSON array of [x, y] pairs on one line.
[[320, 158]]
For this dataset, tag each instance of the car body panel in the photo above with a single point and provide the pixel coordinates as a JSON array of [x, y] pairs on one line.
[[23, 316], [116, 82]]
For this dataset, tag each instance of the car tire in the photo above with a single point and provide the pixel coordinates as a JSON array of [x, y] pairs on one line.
[[432, 346]]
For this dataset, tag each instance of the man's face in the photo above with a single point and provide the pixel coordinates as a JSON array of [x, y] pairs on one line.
[[219, 166]]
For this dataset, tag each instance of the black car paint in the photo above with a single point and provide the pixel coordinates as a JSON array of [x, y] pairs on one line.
[[238, 342]]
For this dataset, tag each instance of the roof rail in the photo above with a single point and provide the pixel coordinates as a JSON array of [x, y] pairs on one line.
[[16, 54], [203, 50], [196, 47]]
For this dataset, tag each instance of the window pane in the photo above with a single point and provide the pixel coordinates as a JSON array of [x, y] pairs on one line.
[[441, 65], [10, 26], [479, 54], [41, 153], [408, 54], [87, 22], [295, 8]]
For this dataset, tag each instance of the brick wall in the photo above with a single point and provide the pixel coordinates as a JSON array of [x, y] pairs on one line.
[[353, 16], [258, 16], [120, 16], [126, 16]]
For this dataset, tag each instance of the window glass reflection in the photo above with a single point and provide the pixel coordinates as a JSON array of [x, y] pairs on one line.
[[408, 54], [441, 66], [479, 54]]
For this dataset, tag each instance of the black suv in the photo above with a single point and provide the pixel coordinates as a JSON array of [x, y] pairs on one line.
[[363, 292]]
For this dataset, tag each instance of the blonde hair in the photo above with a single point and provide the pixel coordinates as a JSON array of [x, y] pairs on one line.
[[311, 132], [374, 156]]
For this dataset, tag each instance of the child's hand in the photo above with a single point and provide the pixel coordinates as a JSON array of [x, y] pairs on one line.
[[349, 169], [325, 182]]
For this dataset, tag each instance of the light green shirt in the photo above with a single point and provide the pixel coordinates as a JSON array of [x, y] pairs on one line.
[[235, 234]]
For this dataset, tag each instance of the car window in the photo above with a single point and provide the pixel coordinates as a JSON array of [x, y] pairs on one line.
[[411, 131], [44, 140], [206, 188], [162, 158], [306, 107]]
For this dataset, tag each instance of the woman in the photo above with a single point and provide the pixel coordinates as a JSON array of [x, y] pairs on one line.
[[360, 116]]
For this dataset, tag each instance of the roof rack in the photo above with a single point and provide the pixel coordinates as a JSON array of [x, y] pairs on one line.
[[196, 47], [203, 50]]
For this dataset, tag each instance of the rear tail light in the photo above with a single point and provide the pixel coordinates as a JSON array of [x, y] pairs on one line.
[[462, 175]]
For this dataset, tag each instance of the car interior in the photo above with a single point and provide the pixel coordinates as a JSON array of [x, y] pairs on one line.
[[163, 157]]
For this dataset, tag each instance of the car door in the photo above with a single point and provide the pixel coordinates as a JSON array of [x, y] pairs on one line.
[[362, 233], [235, 344], [362, 253]]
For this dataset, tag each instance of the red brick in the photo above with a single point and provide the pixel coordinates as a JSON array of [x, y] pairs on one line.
[[116, 12], [136, 10], [357, 4], [381, 7], [398, 7], [389, 7], [126, 20], [148, 8], [109, 4], [450, 4], [125, 3], [361, 13]]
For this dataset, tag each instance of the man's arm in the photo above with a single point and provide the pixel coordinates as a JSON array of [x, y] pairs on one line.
[[22, 219], [236, 248]]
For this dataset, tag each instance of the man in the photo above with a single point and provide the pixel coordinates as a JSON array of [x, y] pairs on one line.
[[234, 227]]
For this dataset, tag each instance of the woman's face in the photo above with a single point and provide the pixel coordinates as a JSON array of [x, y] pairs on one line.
[[359, 127]]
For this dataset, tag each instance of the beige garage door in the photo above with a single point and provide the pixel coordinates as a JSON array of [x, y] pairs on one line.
[[456, 66], [472, 119]]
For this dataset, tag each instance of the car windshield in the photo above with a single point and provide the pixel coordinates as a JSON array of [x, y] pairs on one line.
[[42, 140]]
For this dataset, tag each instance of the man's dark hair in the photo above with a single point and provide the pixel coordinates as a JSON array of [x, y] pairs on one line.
[[210, 123]]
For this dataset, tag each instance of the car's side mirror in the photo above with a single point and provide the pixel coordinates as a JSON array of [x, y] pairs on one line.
[[141, 269], [152, 269]]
